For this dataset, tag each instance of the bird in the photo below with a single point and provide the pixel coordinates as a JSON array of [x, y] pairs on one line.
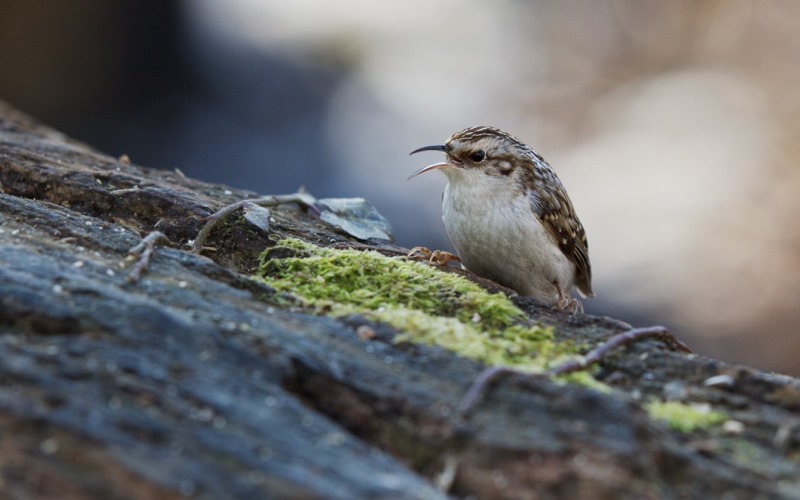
[[509, 217]]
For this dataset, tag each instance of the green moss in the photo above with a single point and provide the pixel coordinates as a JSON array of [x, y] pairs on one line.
[[684, 417], [583, 378], [369, 281], [428, 305]]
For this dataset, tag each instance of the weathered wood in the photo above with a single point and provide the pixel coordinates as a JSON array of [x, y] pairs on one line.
[[192, 382]]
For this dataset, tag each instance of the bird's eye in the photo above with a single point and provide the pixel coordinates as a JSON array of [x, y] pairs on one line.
[[478, 156]]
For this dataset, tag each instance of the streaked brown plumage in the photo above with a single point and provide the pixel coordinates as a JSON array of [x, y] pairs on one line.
[[509, 217]]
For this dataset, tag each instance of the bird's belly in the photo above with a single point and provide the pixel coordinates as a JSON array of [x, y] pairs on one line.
[[507, 244]]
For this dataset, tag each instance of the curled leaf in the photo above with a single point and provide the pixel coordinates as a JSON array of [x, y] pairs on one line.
[[357, 217], [256, 215]]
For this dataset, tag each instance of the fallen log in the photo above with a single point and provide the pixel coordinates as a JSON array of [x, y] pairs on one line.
[[198, 380]]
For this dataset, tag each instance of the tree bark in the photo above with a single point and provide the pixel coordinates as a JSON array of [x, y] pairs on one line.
[[193, 382]]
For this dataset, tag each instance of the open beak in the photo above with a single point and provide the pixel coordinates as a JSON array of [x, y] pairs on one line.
[[435, 166], [438, 147]]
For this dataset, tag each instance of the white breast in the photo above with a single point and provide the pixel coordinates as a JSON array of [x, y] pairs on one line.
[[497, 236]]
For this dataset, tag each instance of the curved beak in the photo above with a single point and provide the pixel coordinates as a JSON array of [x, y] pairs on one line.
[[438, 147], [435, 166]]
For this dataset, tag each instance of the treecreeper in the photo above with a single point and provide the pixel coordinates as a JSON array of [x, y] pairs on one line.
[[510, 219]]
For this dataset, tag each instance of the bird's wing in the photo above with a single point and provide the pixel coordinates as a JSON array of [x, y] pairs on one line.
[[551, 204]]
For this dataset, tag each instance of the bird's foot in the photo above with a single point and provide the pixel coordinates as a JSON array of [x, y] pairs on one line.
[[567, 303], [573, 305], [439, 257]]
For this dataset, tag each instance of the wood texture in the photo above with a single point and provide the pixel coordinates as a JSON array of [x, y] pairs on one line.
[[191, 382]]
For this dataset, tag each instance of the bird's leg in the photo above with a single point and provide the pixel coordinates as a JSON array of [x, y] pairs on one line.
[[565, 302], [439, 257]]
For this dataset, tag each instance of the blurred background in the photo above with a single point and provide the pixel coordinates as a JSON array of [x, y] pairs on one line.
[[674, 125]]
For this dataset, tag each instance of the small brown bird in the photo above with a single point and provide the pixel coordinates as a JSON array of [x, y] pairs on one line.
[[510, 219]]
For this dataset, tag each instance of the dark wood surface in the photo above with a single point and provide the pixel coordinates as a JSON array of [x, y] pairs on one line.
[[192, 382]]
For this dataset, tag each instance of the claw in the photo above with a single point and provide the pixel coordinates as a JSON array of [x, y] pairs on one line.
[[438, 257], [443, 258], [567, 303], [416, 252]]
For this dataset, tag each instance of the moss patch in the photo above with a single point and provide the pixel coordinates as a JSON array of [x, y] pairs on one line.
[[684, 417], [428, 305]]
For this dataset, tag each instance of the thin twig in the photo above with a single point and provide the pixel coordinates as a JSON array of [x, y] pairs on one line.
[[480, 385], [483, 381], [212, 220], [444, 480], [598, 353], [145, 250], [134, 189]]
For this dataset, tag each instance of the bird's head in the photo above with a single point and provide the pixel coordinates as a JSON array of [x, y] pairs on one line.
[[480, 149]]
